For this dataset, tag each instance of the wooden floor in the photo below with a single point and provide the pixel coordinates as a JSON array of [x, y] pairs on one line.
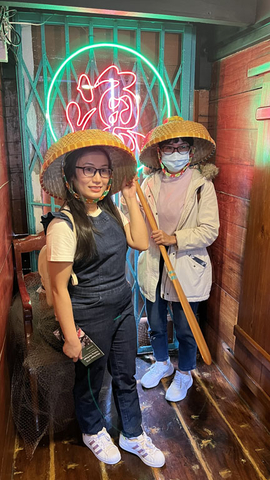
[[211, 435]]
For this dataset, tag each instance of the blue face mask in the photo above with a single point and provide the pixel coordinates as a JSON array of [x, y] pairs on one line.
[[175, 162]]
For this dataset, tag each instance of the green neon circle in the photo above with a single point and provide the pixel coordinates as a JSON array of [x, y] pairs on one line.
[[102, 45]]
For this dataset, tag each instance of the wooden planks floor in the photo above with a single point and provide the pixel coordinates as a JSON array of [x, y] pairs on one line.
[[210, 435]]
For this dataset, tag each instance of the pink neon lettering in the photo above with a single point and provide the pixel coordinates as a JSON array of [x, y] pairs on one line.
[[113, 101]]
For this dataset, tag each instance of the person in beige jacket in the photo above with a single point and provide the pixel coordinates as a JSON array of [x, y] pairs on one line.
[[183, 201]]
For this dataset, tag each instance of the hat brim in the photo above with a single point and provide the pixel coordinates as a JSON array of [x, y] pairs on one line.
[[123, 162]]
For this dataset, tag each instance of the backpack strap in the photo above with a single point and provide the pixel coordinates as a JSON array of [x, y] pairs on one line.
[[70, 216], [48, 217], [42, 258], [74, 278]]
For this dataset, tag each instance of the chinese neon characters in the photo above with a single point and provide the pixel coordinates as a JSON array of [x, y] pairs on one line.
[[111, 102]]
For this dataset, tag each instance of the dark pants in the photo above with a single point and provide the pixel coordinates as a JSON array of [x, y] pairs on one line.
[[108, 319], [157, 318]]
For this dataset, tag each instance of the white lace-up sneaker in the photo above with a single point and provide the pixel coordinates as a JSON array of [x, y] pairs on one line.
[[102, 447], [155, 373], [179, 387], [143, 447]]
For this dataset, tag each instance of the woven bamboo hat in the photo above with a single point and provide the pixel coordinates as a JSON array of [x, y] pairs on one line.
[[122, 159], [176, 127]]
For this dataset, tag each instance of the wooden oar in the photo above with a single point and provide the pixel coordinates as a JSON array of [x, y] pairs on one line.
[[194, 326]]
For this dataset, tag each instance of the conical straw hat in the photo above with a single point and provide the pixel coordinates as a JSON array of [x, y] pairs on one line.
[[176, 127], [122, 159]]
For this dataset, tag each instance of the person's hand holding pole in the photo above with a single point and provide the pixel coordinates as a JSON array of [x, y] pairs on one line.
[[194, 326]]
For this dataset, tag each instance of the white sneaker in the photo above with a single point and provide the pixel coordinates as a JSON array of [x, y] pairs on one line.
[[155, 373], [179, 387], [143, 447], [102, 447]]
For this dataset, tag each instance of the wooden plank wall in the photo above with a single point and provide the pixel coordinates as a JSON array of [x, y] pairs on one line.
[[17, 191], [6, 287], [252, 347], [233, 101]]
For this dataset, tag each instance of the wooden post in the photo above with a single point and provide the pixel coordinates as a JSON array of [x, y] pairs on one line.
[[194, 326]]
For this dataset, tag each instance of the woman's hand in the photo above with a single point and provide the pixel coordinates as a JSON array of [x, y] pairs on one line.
[[73, 349], [161, 238], [129, 188]]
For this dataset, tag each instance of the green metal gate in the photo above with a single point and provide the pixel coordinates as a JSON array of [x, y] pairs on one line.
[[48, 40]]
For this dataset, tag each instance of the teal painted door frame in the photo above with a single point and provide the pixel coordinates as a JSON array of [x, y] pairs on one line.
[[39, 57]]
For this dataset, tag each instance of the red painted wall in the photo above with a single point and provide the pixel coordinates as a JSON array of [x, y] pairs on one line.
[[6, 287], [234, 98]]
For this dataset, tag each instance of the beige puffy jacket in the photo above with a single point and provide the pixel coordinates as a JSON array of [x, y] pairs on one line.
[[197, 229]]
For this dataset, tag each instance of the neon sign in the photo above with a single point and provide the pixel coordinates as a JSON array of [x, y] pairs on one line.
[[117, 105], [122, 114]]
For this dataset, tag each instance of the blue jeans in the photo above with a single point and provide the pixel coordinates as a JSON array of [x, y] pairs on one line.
[[157, 318], [108, 319]]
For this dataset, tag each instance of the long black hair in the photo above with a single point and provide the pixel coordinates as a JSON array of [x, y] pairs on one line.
[[86, 248]]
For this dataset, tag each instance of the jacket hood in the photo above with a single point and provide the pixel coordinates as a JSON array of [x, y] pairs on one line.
[[209, 171]]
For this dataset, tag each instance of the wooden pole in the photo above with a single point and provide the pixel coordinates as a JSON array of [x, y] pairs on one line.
[[194, 326]]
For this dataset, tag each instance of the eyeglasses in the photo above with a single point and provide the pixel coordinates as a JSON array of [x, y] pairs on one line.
[[169, 149], [90, 172]]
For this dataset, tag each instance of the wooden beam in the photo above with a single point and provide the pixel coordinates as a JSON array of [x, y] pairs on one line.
[[223, 12], [251, 384], [253, 347], [259, 70], [244, 39], [263, 113]]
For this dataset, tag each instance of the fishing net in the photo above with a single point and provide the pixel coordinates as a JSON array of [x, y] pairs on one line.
[[43, 377]]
